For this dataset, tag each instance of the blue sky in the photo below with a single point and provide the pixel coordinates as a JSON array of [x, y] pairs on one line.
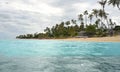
[[30, 16]]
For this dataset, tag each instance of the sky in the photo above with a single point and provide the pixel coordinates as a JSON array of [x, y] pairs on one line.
[[31, 16]]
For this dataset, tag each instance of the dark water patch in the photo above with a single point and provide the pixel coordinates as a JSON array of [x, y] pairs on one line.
[[108, 67], [2, 63]]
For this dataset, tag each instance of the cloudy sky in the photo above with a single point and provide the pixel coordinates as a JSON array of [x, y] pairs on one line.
[[30, 16]]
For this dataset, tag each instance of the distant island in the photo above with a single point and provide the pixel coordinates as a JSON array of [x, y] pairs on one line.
[[95, 23]]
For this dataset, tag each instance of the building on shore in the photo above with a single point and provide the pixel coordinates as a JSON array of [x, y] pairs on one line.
[[82, 34]]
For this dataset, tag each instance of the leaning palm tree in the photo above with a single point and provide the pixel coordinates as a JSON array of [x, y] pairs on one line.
[[86, 13], [114, 3]]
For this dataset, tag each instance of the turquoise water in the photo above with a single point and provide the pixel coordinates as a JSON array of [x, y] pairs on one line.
[[59, 56], [57, 48]]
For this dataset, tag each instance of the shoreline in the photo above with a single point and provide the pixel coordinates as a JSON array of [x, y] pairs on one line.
[[93, 39]]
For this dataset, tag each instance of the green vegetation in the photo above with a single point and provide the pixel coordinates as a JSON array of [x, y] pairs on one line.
[[93, 24]]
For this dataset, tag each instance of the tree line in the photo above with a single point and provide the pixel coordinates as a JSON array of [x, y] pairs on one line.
[[95, 23]]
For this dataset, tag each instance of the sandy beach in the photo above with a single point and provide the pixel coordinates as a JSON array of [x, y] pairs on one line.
[[95, 39]]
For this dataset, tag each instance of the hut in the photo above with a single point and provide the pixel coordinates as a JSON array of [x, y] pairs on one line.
[[82, 34]]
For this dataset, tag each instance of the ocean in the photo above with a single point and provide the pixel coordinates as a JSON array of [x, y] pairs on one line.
[[59, 56]]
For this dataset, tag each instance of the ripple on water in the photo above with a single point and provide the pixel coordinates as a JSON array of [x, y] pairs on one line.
[[60, 64]]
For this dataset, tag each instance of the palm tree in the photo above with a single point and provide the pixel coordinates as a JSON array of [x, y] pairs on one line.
[[114, 3], [80, 18], [47, 30], [67, 23], [86, 13], [103, 15], [103, 3], [97, 22], [62, 24], [95, 12], [112, 25], [106, 18], [102, 12], [90, 17], [73, 21]]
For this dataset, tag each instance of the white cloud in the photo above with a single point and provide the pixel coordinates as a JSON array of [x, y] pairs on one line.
[[82, 6], [116, 19], [34, 6]]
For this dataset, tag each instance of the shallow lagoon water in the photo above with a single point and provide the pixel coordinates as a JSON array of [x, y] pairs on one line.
[[59, 56]]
